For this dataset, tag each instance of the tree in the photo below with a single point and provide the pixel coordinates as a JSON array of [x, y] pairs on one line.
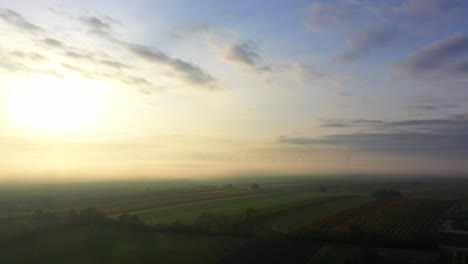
[[43, 217], [92, 215], [323, 188], [129, 219], [250, 212], [205, 221], [255, 186], [71, 216]]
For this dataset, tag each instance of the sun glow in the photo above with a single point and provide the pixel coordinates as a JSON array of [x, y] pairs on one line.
[[54, 105]]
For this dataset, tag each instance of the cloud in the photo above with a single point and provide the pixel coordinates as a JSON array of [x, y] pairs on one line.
[[189, 72], [424, 10], [243, 53], [321, 15], [19, 62], [440, 137], [53, 43], [384, 21], [364, 42], [144, 85], [78, 55], [433, 107], [324, 15], [18, 20], [350, 123], [114, 64], [96, 25], [306, 73], [459, 67], [34, 56], [442, 55]]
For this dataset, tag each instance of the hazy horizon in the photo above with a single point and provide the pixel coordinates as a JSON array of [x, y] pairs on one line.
[[186, 89]]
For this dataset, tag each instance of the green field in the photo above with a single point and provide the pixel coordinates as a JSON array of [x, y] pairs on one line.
[[264, 202], [173, 211], [299, 218], [110, 245]]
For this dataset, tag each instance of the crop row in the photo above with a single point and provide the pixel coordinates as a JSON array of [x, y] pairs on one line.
[[398, 219]]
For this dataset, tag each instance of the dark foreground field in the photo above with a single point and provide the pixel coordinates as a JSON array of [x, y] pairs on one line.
[[238, 220]]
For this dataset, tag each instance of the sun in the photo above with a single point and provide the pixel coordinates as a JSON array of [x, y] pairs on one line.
[[55, 105]]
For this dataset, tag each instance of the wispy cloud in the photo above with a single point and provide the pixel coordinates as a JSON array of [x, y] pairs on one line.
[[438, 137], [323, 15], [96, 25], [243, 53], [95, 64], [53, 43], [189, 72], [115, 64], [365, 42], [448, 55], [424, 10], [17, 20], [305, 73], [429, 107]]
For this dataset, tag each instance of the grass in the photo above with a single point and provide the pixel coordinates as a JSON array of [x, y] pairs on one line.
[[113, 202], [263, 202], [299, 218], [111, 245]]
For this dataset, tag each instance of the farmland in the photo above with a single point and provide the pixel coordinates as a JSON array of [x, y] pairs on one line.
[[211, 219], [409, 221]]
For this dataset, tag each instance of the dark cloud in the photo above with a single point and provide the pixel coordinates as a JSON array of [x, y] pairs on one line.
[[17, 20], [364, 42], [189, 72], [53, 43], [440, 137]]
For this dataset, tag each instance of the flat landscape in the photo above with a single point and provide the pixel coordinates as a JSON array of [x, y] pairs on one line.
[[142, 220]]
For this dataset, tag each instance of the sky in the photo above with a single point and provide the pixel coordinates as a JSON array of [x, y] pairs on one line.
[[179, 88]]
